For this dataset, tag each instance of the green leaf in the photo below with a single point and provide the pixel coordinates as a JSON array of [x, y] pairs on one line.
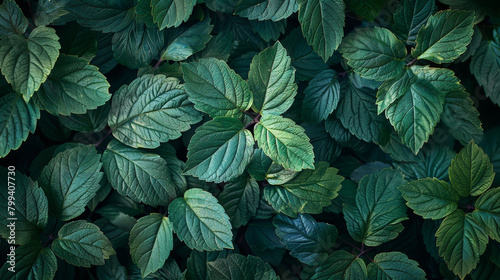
[[410, 17], [52, 12], [416, 113], [485, 66], [77, 40], [259, 165], [186, 40], [471, 172], [367, 9], [381, 61], [139, 174], [487, 212], [394, 265], [27, 62], [104, 16], [112, 270], [73, 87], [341, 265], [321, 96], [151, 240], [200, 221], [32, 262], [269, 30], [379, 209], [272, 81], [322, 24], [81, 243], [219, 150], [240, 199], [150, 110], [91, 121], [277, 174], [392, 90], [30, 204], [284, 142], [308, 192], [432, 162], [236, 266], [461, 117], [308, 240], [71, 180], [430, 198], [461, 242], [12, 20], [445, 36], [216, 89], [17, 120], [171, 12], [266, 9]]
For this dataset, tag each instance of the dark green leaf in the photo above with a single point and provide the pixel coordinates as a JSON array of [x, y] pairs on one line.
[[240, 267], [240, 199], [321, 96]]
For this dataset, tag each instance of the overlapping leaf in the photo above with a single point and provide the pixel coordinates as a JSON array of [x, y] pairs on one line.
[[32, 262], [321, 96], [172, 12], [240, 199], [12, 20], [236, 266], [394, 265], [341, 265], [487, 212], [410, 17], [266, 9]]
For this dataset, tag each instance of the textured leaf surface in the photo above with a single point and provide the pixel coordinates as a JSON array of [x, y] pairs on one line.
[[430, 198], [461, 117], [186, 40], [198, 214], [266, 9], [92, 121], [394, 265], [105, 16], [322, 96], [151, 240], [236, 266], [284, 142], [487, 212], [216, 89], [485, 65], [240, 199], [152, 109], [32, 262], [12, 20], [322, 24], [410, 16], [171, 12], [341, 265]]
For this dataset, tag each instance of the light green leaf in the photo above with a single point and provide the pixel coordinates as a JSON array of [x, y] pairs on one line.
[[410, 16], [32, 262], [216, 89], [461, 117], [105, 16], [277, 174], [240, 199], [73, 87], [150, 110], [91, 121], [171, 12], [321, 96], [471, 172], [219, 150], [341, 265], [200, 221], [272, 81], [12, 19], [17, 120], [487, 212], [381, 61], [186, 40], [430, 198], [284, 142], [26, 62], [30, 208], [236, 266], [485, 65], [139, 174], [274, 10], [445, 36], [71, 180], [151, 240], [81, 243], [308, 192], [308, 240], [461, 242], [394, 265], [322, 24], [379, 209]]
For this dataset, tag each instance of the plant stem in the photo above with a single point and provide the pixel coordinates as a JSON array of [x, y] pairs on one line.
[[412, 62], [107, 134], [157, 64]]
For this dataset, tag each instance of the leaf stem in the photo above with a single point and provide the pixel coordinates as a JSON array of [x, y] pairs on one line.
[[255, 120], [157, 64], [107, 134], [352, 245], [50, 238], [410, 64]]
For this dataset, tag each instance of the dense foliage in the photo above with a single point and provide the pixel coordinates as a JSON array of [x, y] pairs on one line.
[[250, 139]]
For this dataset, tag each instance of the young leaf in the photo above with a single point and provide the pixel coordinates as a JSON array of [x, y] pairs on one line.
[[341, 265], [171, 13], [445, 36], [240, 199], [308, 240], [12, 20], [219, 150], [272, 81], [485, 66], [471, 172], [236, 266], [200, 221], [430, 198], [71, 180], [81, 243], [151, 240], [461, 242], [152, 109], [321, 96], [487, 212], [284, 142], [27, 62], [186, 40], [381, 61], [141, 175], [32, 262], [322, 24], [410, 16], [103, 16], [394, 265], [379, 209], [216, 89], [266, 9]]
